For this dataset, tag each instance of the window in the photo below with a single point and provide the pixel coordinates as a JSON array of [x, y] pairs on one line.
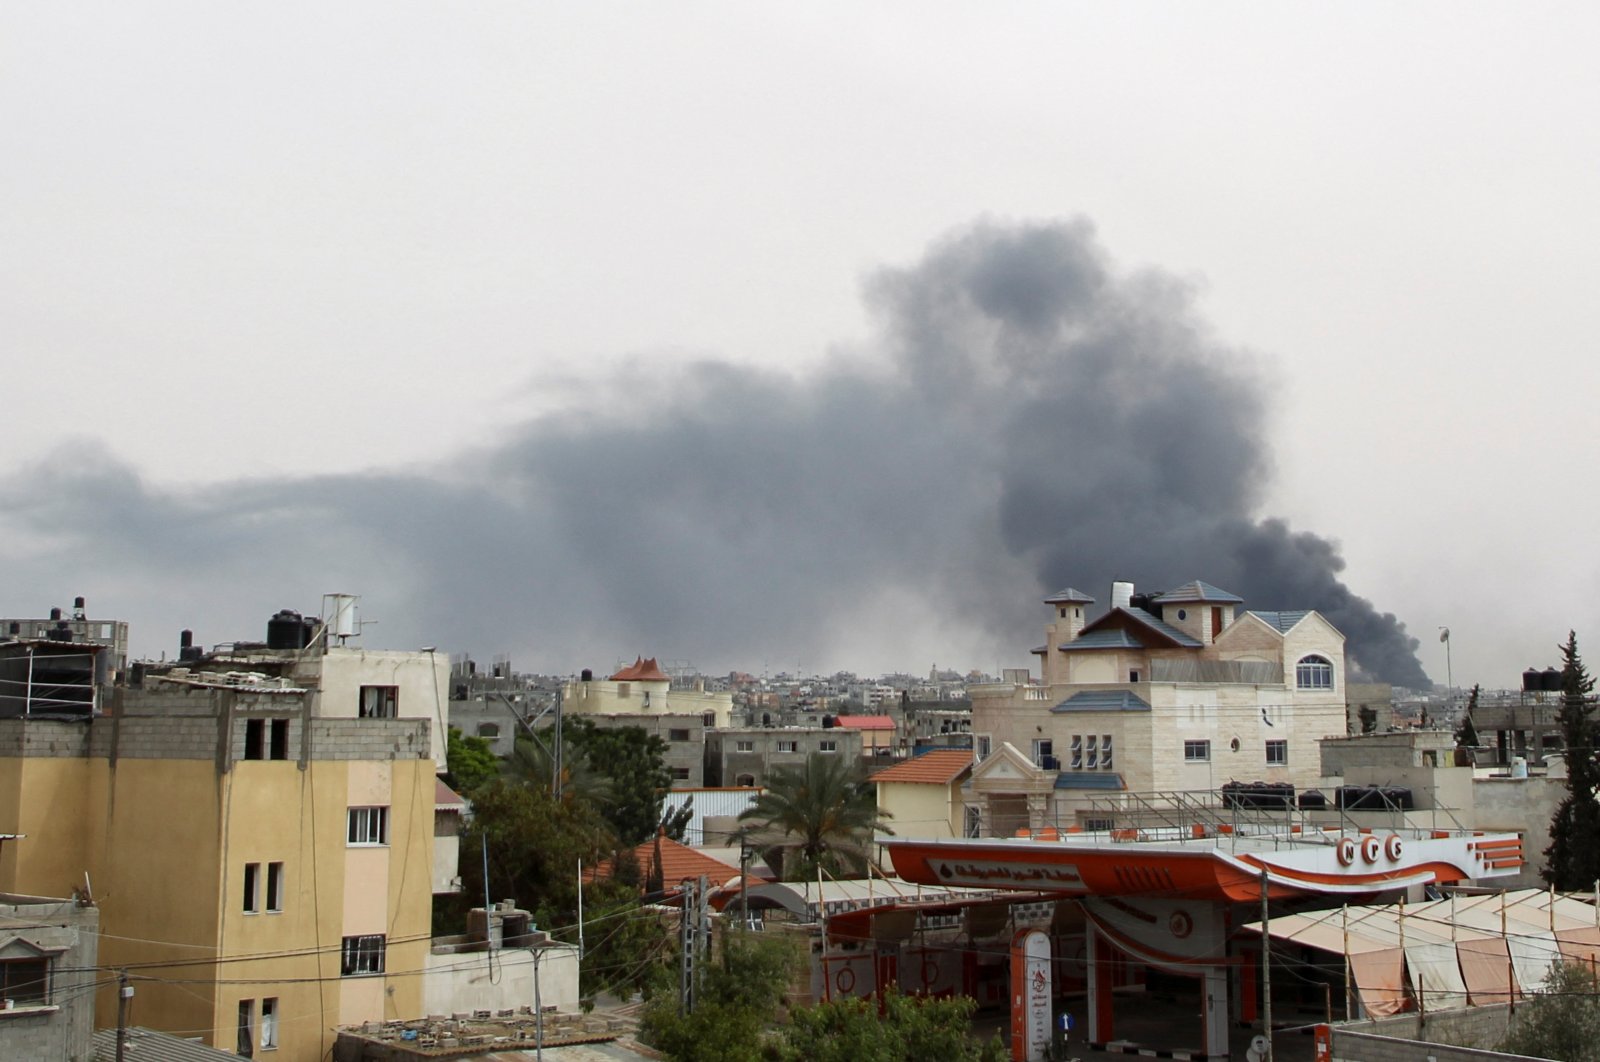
[[1105, 752], [1093, 825], [1044, 753], [624, 690], [1313, 673], [744, 746], [269, 1023], [280, 740], [1277, 754], [247, 1021], [827, 746], [1216, 621], [680, 774], [1094, 753], [368, 826], [275, 887], [488, 730], [1133, 676], [983, 746], [252, 888], [972, 822], [26, 982], [379, 702], [1197, 751], [362, 955], [748, 780], [788, 746], [254, 739], [1077, 752], [677, 735]]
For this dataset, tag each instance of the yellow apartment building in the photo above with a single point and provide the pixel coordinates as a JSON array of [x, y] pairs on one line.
[[257, 830]]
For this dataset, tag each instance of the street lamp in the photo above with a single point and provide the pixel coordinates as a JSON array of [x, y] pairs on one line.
[[1449, 676]]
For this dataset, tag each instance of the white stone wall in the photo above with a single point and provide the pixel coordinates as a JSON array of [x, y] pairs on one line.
[[462, 982]]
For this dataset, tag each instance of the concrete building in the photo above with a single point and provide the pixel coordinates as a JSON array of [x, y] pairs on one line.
[[275, 804], [747, 756], [76, 627], [1182, 690], [922, 796], [48, 950], [643, 688]]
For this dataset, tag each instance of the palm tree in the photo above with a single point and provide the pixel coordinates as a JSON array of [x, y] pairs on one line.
[[822, 811]]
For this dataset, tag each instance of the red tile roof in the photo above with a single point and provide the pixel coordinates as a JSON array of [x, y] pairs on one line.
[[642, 670], [445, 798], [866, 722], [939, 767], [678, 861]]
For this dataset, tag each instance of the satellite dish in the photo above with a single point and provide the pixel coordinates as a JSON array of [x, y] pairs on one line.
[[1258, 1049]]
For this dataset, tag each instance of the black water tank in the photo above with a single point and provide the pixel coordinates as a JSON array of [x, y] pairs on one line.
[[587, 676], [55, 614], [1532, 680], [286, 630], [1552, 680]]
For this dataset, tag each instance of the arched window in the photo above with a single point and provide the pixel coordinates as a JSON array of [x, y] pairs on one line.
[[1313, 673], [745, 779]]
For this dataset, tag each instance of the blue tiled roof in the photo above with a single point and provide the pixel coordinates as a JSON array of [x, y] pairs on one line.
[[1103, 701], [1069, 596], [1171, 632], [1089, 780], [1198, 591], [1108, 639], [1283, 621], [1040, 650]]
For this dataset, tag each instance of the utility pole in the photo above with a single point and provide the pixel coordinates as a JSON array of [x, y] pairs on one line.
[[1266, 968], [538, 1008], [686, 941], [124, 993]]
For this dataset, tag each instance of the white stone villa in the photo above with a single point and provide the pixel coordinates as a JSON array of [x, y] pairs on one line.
[[1181, 690]]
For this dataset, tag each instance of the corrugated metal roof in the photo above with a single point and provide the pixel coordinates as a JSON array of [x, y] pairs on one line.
[[1103, 701], [1198, 591], [1283, 621], [707, 802], [939, 767], [1114, 638], [1069, 596], [148, 1045], [1170, 631], [1089, 780]]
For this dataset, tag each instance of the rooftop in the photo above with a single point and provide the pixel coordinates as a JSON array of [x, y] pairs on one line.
[[938, 767], [1196, 590]]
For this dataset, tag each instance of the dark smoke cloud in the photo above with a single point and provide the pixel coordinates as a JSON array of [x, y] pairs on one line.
[[1031, 419]]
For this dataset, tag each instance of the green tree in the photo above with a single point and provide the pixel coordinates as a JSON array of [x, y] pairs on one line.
[[1562, 1020], [823, 812], [1466, 733], [470, 762], [535, 842], [633, 760], [1573, 859], [907, 1027], [737, 1001]]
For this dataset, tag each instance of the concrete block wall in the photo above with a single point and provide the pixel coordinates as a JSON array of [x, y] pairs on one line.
[[46, 737], [1465, 1035], [371, 739]]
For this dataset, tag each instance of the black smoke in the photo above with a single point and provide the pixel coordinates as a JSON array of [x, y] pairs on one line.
[[1028, 418]]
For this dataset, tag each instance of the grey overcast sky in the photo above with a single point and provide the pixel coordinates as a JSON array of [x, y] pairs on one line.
[[579, 331]]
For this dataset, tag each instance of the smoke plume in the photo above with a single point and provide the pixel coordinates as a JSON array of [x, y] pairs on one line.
[[1026, 418]]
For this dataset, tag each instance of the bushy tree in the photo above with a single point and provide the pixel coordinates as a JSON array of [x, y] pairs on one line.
[[633, 760], [907, 1027], [535, 842], [1562, 1020], [736, 1003], [469, 762], [823, 812], [1573, 859]]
